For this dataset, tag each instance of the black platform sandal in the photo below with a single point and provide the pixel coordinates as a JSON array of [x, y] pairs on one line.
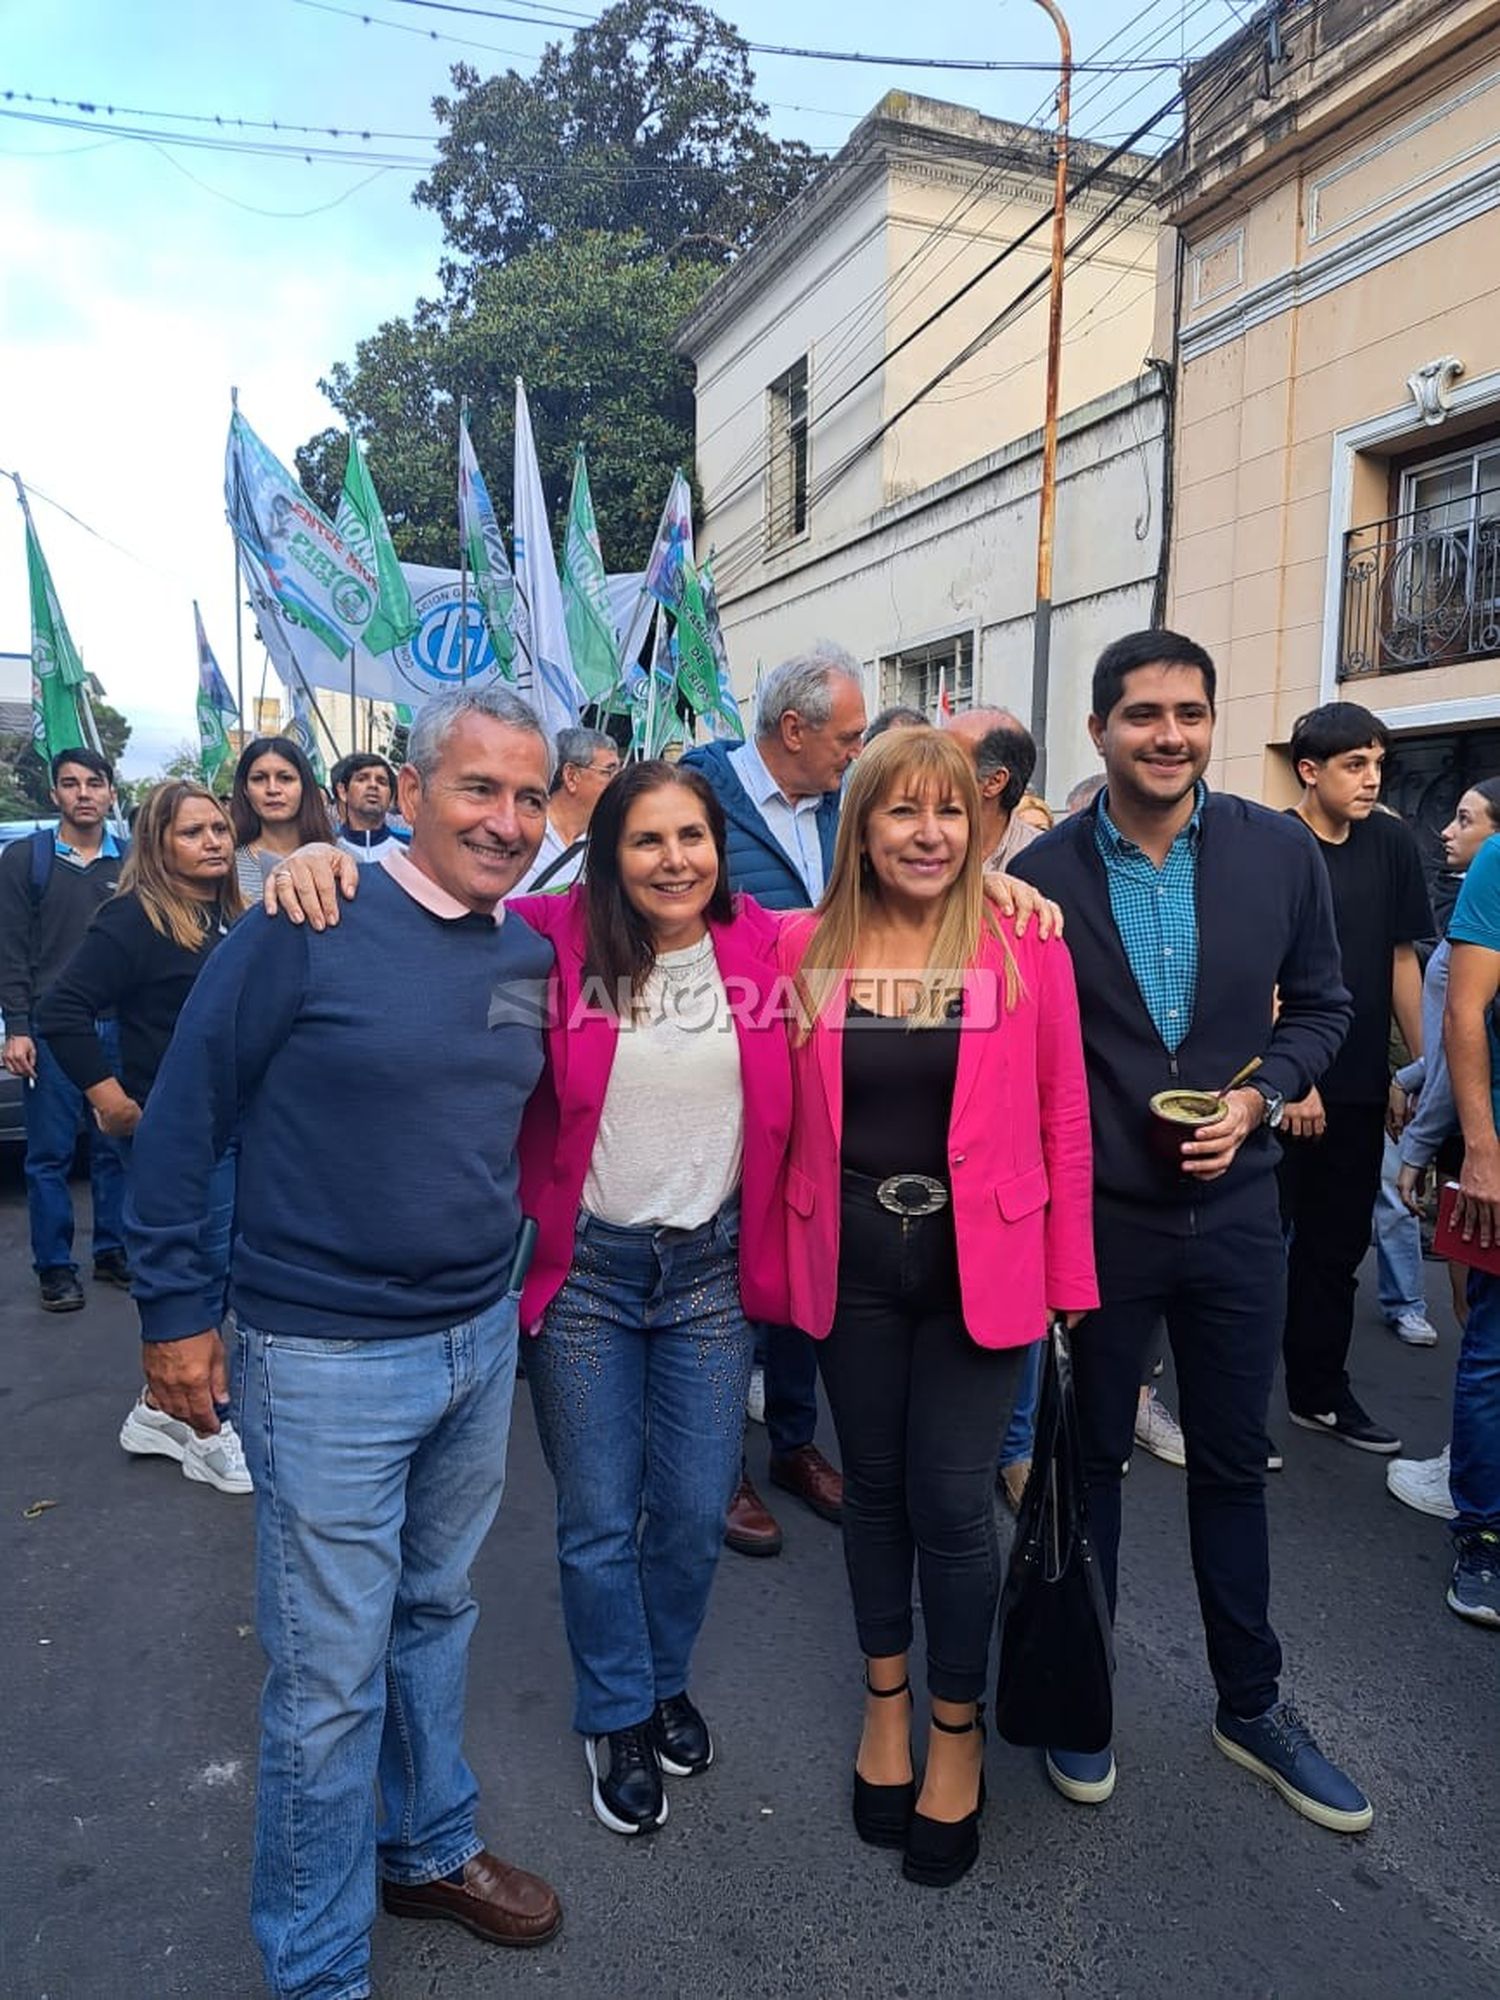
[[882, 1813], [940, 1851]]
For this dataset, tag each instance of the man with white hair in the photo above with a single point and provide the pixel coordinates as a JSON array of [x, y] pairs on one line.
[[377, 1338], [780, 794]]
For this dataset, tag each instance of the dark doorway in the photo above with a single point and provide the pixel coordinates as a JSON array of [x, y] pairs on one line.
[[1425, 777]]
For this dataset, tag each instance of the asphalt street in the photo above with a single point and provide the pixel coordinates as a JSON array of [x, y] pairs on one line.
[[131, 1671]]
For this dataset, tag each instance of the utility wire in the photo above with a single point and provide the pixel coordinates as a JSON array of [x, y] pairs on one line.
[[770, 48]]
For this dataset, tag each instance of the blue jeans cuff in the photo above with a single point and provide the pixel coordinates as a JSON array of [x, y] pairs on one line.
[[420, 1873]]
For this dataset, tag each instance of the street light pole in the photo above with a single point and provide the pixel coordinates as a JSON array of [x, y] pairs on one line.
[[1041, 653]]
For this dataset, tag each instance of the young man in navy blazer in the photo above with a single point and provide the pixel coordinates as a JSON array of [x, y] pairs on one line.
[[1202, 934]]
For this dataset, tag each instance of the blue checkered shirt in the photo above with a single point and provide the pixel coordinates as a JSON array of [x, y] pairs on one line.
[[1156, 913]]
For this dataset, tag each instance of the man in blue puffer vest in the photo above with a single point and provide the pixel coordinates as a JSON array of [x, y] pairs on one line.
[[780, 794]]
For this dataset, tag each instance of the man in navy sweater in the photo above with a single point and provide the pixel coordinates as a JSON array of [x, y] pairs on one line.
[[780, 793], [1202, 935], [378, 1340]]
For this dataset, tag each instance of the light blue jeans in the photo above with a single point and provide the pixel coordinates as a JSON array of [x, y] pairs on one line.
[[1398, 1244], [378, 1467], [638, 1380]]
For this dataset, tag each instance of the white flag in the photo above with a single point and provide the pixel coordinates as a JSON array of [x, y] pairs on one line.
[[541, 629]]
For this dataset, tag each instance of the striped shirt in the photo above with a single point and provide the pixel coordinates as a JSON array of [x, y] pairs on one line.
[[1156, 913]]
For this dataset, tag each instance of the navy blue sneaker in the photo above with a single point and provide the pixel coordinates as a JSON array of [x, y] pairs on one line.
[[1087, 1777], [1278, 1746], [1474, 1592]]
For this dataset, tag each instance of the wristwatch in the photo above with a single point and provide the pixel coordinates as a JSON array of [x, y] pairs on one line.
[[1275, 1103]]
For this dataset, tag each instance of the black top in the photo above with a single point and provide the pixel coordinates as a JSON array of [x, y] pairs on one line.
[[36, 943], [898, 1093], [126, 967], [1265, 926], [1379, 901]]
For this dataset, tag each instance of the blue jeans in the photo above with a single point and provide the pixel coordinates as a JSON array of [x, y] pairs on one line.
[[1016, 1449], [1398, 1244], [378, 1467], [638, 1380], [1474, 1459], [54, 1108]]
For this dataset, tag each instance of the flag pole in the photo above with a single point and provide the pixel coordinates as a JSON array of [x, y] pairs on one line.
[[463, 560], [239, 594], [354, 663]]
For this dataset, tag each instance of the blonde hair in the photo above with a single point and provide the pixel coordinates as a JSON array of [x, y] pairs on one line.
[[1033, 802], [170, 910], [917, 760]]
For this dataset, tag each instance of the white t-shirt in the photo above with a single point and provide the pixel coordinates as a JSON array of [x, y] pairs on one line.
[[553, 845], [671, 1136]]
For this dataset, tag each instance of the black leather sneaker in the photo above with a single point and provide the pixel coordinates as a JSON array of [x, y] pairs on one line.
[[628, 1795], [110, 1268], [61, 1291], [1351, 1424], [683, 1744]]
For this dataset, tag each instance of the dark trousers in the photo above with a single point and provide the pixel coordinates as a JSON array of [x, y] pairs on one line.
[[1220, 1291], [1328, 1191], [920, 1411], [790, 1360]]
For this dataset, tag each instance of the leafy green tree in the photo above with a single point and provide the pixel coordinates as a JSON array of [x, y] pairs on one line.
[[588, 321], [646, 122], [25, 786]]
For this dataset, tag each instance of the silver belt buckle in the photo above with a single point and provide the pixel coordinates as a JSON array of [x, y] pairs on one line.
[[912, 1194]]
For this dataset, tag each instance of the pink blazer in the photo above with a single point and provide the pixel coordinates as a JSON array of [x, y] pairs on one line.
[[1020, 1162], [562, 1119]]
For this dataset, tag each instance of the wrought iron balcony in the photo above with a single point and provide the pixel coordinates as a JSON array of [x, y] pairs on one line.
[[1422, 589]]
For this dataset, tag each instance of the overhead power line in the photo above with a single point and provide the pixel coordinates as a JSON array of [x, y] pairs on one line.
[[577, 27]]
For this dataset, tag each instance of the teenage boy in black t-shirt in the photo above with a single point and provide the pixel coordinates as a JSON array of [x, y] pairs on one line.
[[1330, 1170]]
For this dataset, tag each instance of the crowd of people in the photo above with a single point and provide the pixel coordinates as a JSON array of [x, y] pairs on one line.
[[826, 1054]]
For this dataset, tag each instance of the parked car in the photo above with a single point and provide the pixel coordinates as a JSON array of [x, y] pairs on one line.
[[12, 1088]]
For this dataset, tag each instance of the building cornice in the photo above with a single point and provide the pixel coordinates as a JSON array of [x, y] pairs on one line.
[[914, 138]]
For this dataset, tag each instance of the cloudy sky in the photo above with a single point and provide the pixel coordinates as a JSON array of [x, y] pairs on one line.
[[141, 279]]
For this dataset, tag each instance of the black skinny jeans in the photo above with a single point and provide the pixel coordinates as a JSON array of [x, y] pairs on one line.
[[920, 1411]]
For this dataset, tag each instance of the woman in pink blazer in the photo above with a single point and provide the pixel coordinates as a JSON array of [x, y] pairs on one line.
[[938, 1211], [652, 1161]]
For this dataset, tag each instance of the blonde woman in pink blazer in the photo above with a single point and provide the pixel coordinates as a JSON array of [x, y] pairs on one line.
[[938, 1212]]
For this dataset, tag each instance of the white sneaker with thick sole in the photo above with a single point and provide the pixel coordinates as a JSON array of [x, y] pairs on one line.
[[1414, 1329], [217, 1461], [1158, 1431], [1422, 1483]]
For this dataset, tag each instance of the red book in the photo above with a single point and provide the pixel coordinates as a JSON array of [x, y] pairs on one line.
[[1447, 1242]]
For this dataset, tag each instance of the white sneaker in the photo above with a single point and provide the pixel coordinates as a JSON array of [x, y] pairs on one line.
[[1422, 1483], [1158, 1431], [1414, 1328], [218, 1461], [148, 1432], [755, 1396], [211, 1461]]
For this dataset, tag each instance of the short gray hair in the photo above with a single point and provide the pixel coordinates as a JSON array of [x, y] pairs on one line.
[[801, 683], [581, 746], [438, 718]]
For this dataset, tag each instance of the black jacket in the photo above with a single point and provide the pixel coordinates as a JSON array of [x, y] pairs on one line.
[[36, 942], [1265, 927]]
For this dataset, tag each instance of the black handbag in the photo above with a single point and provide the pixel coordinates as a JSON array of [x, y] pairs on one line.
[[1054, 1685]]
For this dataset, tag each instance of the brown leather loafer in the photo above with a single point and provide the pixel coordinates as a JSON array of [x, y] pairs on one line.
[[750, 1527], [807, 1473], [501, 1904]]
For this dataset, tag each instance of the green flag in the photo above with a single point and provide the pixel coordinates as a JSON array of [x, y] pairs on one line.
[[697, 668], [56, 669], [215, 702], [360, 524], [586, 612], [727, 719], [484, 550]]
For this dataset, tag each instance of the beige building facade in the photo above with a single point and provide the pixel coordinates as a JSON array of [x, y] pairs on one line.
[[1333, 273], [870, 385]]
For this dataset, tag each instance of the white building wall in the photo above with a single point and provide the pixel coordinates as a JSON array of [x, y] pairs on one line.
[[961, 555]]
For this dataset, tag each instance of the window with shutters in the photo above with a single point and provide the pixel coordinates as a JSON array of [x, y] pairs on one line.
[[787, 499]]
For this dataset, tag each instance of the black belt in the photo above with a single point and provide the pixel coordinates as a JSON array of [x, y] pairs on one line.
[[903, 1194]]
